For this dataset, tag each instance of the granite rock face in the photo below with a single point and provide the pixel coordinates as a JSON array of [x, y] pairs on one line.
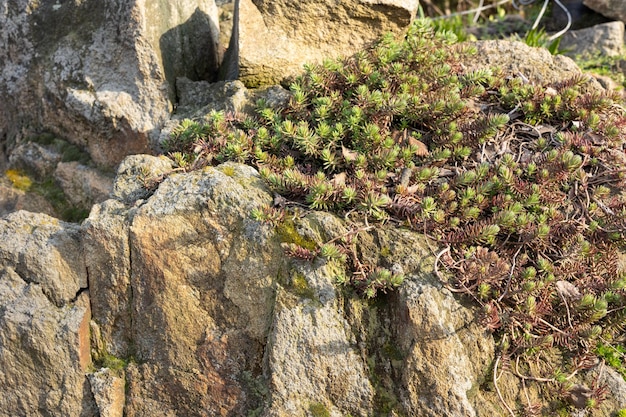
[[201, 279], [100, 73], [221, 323], [277, 38], [45, 252], [44, 319]]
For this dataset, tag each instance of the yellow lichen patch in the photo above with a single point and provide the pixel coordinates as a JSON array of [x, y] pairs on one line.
[[288, 233], [301, 286], [228, 170], [19, 180]]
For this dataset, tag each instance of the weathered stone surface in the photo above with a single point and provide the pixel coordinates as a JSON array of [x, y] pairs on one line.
[[35, 159], [615, 9], [276, 37], [44, 350], [536, 65], [97, 72], [448, 355], [13, 199], [107, 257], [211, 319], [606, 39], [107, 387], [198, 98], [227, 96], [202, 276], [84, 186], [44, 251], [606, 82], [312, 357], [137, 175]]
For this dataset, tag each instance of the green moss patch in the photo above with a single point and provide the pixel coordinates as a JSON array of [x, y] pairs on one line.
[[319, 410], [55, 195], [289, 234], [69, 152]]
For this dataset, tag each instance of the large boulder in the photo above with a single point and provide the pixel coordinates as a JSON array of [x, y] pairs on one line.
[[606, 39], [46, 252], [100, 73], [200, 312], [535, 65], [615, 9], [195, 317], [44, 319], [277, 37], [218, 322]]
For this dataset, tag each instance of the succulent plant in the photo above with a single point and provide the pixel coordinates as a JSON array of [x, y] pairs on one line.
[[522, 184]]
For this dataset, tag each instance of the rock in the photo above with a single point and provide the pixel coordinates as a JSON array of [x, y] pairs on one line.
[[200, 313], [276, 37], [606, 82], [198, 98], [107, 257], [517, 59], [312, 360], [100, 73], [108, 391], [44, 349], [53, 186], [46, 252], [436, 329], [614, 9], [230, 96], [138, 175], [581, 15], [84, 186], [606, 39], [13, 199], [37, 160]]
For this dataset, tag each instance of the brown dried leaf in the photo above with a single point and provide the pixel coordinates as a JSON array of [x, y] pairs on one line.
[[422, 149], [567, 290], [348, 155], [551, 91], [404, 137], [412, 189], [400, 136], [339, 179]]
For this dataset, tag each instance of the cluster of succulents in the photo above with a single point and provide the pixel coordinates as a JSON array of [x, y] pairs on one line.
[[521, 185]]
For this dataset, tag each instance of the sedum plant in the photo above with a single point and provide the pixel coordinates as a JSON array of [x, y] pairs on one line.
[[521, 185]]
